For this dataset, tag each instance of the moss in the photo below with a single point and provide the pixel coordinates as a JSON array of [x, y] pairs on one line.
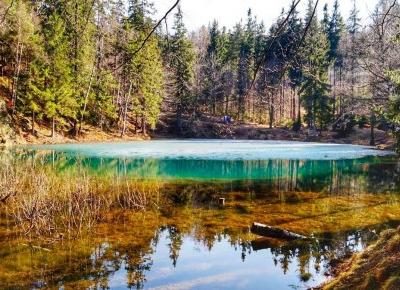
[[378, 267]]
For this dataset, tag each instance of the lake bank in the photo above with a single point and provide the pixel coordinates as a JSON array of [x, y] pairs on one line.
[[207, 130], [377, 267]]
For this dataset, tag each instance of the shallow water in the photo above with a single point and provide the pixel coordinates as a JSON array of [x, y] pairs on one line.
[[342, 195], [218, 150]]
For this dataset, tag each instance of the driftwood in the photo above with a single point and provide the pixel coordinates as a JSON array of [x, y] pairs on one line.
[[271, 232], [266, 243]]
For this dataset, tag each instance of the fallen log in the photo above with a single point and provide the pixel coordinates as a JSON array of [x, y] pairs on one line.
[[266, 243], [272, 232]]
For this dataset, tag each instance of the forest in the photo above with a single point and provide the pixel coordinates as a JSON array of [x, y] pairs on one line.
[[67, 64]]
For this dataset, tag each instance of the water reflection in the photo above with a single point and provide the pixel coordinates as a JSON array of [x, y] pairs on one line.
[[172, 258], [369, 174], [198, 245]]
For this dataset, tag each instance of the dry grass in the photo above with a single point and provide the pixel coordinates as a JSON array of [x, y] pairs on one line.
[[44, 202], [378, 267]]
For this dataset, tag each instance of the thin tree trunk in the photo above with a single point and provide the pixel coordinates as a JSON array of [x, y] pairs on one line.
[[53, 127], [86, 100], [128, 97], [144, 131], [373, 120], [334, 92], [33, 122], [16, 76]]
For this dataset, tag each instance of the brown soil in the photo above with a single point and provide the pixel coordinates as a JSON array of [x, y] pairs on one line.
[[205, 128], [213, 128]]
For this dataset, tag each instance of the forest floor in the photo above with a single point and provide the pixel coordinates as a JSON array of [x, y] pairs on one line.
[[378, 267], [204, 128], [213, 128]]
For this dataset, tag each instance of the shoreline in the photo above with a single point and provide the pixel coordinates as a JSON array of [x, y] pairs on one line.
[[243, 132], [376, 267]]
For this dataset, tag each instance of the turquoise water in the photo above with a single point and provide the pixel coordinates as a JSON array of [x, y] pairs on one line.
[[217, 150], [246, 165], [343, 193]]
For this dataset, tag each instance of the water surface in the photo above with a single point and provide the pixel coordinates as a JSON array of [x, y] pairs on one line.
[[341, 194]]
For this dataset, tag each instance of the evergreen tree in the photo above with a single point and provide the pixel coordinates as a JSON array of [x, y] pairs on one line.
[[80, 36], [52, 86], [100, 106], [182, 60], [246, 64], [20, 45], [315, 73], [353, 27], [145, 69], [334, 31]]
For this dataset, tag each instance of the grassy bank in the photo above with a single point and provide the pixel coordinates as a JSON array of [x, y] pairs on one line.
[[378, 267]]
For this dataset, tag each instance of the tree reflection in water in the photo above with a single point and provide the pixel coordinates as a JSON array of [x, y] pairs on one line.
[[341, 202]]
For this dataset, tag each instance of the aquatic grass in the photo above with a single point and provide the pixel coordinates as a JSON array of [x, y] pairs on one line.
[[47, 202]]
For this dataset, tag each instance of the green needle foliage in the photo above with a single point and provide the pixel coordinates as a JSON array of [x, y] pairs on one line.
[[75, 65]]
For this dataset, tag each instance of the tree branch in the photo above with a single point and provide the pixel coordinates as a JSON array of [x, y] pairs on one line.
[[147, 37], [6, 12], [155, 27], [277, 34]]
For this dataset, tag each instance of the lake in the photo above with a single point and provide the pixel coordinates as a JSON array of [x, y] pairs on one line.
[[342, 195]]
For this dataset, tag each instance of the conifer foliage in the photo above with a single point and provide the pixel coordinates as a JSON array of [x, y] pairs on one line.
[[71, 65]]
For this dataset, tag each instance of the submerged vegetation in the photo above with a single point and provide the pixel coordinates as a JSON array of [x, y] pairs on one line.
[[58, 197], [44, 202], [78, 222]]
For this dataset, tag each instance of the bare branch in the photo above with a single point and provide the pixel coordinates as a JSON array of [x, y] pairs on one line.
[[155, 27], [6, 12], [277, 34], [386, 15], [164, 18]]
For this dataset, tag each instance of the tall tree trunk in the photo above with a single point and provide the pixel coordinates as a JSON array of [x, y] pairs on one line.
[[125, 114], [53, 127], [179, 128], [334, 93], [294, 105], [373, 121], [16, 76], [86, 100], [33, 122], [271, 112], [144, 131]]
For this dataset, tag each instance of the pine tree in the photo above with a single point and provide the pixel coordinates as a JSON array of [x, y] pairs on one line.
[[52, 87], [20, 45], [182, 60], [353, 27], [295, 32], [246, 64], [315, 72], [100, 107], [335, 33], [146, 72], [80, 36]]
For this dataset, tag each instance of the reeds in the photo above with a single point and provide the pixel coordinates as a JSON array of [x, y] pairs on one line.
[[44, 201]]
